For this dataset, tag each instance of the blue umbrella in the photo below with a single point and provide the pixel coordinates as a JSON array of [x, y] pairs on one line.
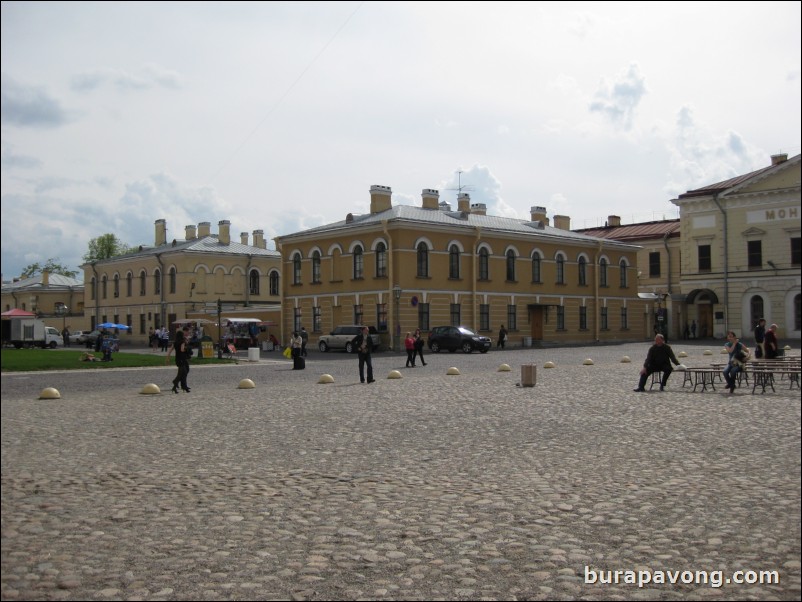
[[113, 325]]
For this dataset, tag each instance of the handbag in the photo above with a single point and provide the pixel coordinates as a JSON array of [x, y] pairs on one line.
[[287, 352]]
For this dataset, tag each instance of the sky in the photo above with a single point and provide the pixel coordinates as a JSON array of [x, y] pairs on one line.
[[280, 116]]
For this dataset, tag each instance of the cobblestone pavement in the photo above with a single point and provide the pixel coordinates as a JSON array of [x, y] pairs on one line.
[[429, 487]]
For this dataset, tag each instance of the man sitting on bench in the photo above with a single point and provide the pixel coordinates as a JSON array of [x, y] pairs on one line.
[[659, 359]]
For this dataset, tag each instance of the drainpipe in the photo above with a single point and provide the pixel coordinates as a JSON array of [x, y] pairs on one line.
[[162, 303], [96, 293], [474, 282], [248, 281], [390, 284], [726, 269], [597, 312], [668, 280], [282, 288]]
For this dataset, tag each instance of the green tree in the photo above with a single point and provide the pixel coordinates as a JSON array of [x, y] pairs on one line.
[[50, 267], [104, 247]]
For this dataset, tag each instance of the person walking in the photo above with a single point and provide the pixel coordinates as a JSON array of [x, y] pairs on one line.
[[364, 346], [66, 336], [760, 336], [658, 359], [182, 355], [737, 356], [304, 341], [419, 342], [502, 337], [409, 344], [693, 329], [770, 343]]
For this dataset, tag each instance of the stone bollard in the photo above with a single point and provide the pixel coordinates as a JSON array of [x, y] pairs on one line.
[[528, 375]]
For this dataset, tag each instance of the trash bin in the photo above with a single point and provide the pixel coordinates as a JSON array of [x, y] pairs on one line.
[[528, 375], [527, 341], [253, 354], [266, 345]]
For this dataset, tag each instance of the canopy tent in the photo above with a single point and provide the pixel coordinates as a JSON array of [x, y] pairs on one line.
[[17, 313]]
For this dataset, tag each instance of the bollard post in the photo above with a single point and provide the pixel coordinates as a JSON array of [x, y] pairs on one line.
[[528, 375]]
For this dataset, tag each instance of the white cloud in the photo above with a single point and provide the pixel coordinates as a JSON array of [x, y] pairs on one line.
[[280, 116]]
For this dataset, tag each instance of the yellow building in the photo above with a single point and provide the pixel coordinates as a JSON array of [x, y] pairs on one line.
[[658, 269], [741, 252], [181, 279], [57, 299], [404, 267]]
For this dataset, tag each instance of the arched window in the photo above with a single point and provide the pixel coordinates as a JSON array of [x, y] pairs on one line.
[[93, 289], [511, 265], [359, 263], [484, 264], [129, 284], [453, 262], [157, 282], [624, 282], [423, 260], [602, 272], [142, 283], [172, 280], [536, 274], [582, 266], [381, 260], [755, 309], [103, 288], [253, 282], [116, 285], [274, 283], [296, 268], [316, 266], [560, 269]]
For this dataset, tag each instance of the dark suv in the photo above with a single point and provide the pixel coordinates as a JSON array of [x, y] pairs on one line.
[[342, 337], [457, 337]]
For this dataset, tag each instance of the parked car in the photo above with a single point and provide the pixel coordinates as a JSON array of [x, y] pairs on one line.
[[77, 337], [452, 338], [342, 337], [89, 338]]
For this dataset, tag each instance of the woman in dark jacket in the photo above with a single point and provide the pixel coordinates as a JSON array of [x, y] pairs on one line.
[[182, 354]]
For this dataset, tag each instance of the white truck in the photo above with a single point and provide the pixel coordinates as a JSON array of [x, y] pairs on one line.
[[32, 332]]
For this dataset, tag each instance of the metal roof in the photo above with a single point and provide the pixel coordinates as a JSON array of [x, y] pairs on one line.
[[206, 244], [412, 215], [636, 232]]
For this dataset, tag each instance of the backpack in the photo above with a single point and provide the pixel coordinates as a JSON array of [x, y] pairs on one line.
[[743, 354]]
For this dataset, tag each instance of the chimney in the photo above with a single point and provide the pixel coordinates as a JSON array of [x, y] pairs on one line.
[[613, 221], [444, 206], [538, 214], [563, 222], [161, 232], [223, 232], [777, 159], [430, 198], [243, 238], [259, 239], [45, 278], [380, 198], [189, 232], [204, 229], [479, 208], [464, 202]]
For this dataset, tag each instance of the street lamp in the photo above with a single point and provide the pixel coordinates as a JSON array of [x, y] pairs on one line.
[[397, 293], [62, 311]]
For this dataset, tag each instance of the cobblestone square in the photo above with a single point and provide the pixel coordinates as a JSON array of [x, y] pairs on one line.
[[428, 487]]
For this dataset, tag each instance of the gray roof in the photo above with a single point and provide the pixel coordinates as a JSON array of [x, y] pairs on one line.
[[206, 245], [455, 219], [55, 282]]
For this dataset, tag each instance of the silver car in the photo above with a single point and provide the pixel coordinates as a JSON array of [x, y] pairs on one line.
[[342, 337]]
